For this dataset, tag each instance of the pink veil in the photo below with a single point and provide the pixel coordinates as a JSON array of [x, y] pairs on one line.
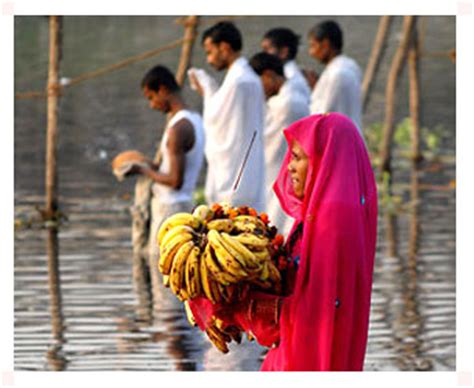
[[324, 322]]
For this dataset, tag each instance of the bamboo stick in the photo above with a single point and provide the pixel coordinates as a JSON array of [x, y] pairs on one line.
[[375, 55], [52, 115], [414, 84], [394, 73], [190, 34]]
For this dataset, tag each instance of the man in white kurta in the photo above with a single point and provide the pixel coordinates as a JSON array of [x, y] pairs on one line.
[[232, 113], [283, 43], [285, 105], [338, 89]]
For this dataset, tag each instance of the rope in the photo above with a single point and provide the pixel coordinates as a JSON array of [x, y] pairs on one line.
[[104, 70]]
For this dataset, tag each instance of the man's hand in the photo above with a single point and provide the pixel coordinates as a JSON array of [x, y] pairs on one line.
[[195, 84], [311, 77], [135, 170]]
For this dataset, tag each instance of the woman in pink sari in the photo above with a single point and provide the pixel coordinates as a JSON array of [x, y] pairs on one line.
[[327, 185]]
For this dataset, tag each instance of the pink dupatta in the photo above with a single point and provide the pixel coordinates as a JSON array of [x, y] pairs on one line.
[[324, 322]]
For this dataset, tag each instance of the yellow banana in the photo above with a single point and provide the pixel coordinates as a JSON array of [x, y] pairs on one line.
[[244, 255], [178, 267], [225, 259], [183, 295], [205, 279], [221, 225], [169, 235], [217, 339], [214, 268], [169, 251], [203, 212], [273, 273], [262, 255], [265, 272], [252, 241], [250, 224], [216, 294], [192, 273], [177, 219], [166, 280], [189, 314]]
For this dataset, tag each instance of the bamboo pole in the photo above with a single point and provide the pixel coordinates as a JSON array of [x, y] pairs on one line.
[[394, 73], [190, 33], [414, 84], [375, 55], [52, 115]]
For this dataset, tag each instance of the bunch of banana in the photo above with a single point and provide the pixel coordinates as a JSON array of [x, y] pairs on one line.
[[217, 252], [220, 336]]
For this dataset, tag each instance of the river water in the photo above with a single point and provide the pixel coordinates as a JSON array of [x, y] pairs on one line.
[[81, 303]]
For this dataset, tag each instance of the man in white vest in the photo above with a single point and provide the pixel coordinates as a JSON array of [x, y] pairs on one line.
[[286, 103], [284, 43], [232, 113], [338, 89], [182, 156]]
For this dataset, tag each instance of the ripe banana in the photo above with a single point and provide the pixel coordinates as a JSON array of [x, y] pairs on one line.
[[252, 241], [244, 255], [203, 212], [177, 219], [273, 273], [221, 225], [218, 338], [216, 295], [250, 224], [205, 278], [215, 270], [178, 267], [189, 314], [169, 251], [265, 272], [179, 229], [225, 259], [193, 285], [166, 280]]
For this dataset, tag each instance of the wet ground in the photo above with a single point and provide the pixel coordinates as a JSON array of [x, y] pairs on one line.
[[80, 301]]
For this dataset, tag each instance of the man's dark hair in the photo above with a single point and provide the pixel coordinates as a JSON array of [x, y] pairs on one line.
[[329, 30], [160, 76], [263, 61], [224, 32], [284, 37]]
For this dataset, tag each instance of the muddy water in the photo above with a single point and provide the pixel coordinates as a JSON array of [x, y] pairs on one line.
[[80, 302]]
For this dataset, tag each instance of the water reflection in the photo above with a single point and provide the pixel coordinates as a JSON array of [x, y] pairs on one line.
[[55, 355]]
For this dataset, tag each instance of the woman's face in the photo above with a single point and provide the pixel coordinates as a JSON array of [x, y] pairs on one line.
[[298, 168]]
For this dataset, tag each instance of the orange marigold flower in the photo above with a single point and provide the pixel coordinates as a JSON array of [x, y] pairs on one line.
[[278, 240], [233, 213], [264, 218], [215, 207]]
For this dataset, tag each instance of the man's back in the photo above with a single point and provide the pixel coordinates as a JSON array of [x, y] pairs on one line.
[[338, 89]]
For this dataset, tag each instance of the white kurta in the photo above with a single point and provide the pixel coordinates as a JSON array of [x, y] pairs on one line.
[[338, 90], [283, 109], [293, 72], [231, 115]]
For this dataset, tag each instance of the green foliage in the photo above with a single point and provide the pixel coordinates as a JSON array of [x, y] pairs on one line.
[[391, 203], [373, 137], [402, 136]]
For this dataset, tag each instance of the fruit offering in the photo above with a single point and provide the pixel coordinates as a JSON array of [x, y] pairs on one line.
[[220, 253]]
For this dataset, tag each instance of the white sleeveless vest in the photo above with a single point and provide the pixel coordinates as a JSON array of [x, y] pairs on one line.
[[193, 161]]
